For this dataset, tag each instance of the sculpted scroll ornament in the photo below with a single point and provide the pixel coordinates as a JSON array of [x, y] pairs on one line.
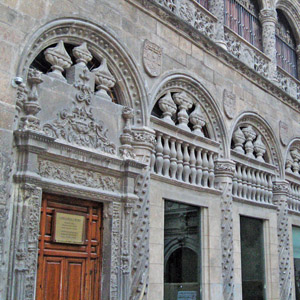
[[49, 169], [152, 58], [229, 103]]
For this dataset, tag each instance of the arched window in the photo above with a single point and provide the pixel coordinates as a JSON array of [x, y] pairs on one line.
[[241, 16], [285, 46]]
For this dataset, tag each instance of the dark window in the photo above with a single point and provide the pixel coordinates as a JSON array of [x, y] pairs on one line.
[[182, 251], [242, 17], [296, 251], [252, 255], [285, 46]]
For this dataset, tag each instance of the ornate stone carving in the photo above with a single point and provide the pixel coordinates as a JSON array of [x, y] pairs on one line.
[[5, 173], [280, 192], [239, 140], [233, 45], [126, 150], [186, 11], [152, 58], [229, 103], [82, 54], [259, 148], [31, 105], [184, 102], [104, 80], [78, 176], [144, 137], [261, 66], [198, 120], [250, 135], [59, 58], [168, 107], [283, 133], [3, 220]]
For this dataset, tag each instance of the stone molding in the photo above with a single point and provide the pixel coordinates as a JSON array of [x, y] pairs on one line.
[[280, 187], [224, 167]]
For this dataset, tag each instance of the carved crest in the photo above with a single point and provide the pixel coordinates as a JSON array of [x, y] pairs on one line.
[[283, 132], [229, 104], [152, 58]]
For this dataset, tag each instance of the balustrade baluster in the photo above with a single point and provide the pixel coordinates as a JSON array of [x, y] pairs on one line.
[[152, 161], [211, 174], [186, 163], [258, 186], [173, 159], [199, 166], [159, 154], [193, 164], [179, 160], [244, 181], [239, 179], [166, 156], [270, 188], [264, 187], [205, 169], [254, 187], [249, 184], [234, 183]]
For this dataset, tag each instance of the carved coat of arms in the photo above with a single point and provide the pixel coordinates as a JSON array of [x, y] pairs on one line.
[[229, 103], [284, 133], [152, 58]]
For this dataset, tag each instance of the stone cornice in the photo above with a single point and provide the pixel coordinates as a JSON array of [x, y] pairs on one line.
[[165, 16]]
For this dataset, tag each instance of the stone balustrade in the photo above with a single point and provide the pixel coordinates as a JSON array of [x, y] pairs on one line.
[[187, 162], [294, 197], [252, 184]]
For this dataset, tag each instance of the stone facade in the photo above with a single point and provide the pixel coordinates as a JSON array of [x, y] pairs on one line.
[[134, 102]]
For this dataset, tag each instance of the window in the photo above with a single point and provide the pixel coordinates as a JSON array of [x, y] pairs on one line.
[[285, 46], [296, 250], [252, 255], [182, 240], [241, 16]]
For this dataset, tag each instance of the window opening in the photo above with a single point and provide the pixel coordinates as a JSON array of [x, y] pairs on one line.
[[241, 16], [182, 247], [296, 251], [252, 256], [286, 55]]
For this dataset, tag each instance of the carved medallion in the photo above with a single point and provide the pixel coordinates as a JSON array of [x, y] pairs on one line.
[[229, 103], [283, 132], [152, 58]]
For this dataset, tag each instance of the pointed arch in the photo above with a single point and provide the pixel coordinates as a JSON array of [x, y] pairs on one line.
[[262, 127], [182, 81], [103, 43]]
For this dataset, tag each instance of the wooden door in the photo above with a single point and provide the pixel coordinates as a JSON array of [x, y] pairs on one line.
[[69, 271]]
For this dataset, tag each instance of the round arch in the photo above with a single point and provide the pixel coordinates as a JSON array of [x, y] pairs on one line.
[[182, 80], [264, 128], [102, 42]]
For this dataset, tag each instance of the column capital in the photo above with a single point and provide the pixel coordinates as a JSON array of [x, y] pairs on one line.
[[280, 187], [268, 15], [224, 167]]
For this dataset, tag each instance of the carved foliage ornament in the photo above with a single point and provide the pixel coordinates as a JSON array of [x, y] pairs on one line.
[[229, 103], [152, 58], [49, 169]]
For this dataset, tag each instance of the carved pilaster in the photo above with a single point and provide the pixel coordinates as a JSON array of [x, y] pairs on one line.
[[216, 7], [224, 171], [268, 19], [280, 192], [26, 242]]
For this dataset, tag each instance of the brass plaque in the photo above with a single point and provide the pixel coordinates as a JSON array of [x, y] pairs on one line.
[[69, 228]]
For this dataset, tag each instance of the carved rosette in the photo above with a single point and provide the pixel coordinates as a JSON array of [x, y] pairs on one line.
[[224, 171], [280, 193]]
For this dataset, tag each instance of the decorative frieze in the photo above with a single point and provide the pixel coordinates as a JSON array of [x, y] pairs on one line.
[[78, 176]]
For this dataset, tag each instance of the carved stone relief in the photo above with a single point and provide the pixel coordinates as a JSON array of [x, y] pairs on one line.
[[229, 103], [78, 176], [152, 58], [283, 133]]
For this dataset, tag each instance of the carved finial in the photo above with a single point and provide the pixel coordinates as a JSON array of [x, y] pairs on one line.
[[198, 120], [104, 80], [168, 107], [250, 136], [239, 139], [259, 148], [82, 54], [59, 58], [185, 103]]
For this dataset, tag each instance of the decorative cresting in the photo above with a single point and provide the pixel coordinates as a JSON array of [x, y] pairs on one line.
[[26, 232], [77, 125], [280, 192], [257, 164], [193, 13], [186, 128], [224, 170], [99, 40]]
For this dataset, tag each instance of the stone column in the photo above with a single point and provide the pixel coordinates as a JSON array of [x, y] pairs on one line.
[[224, 171], [216, 7], [280, 192], [268, 19]]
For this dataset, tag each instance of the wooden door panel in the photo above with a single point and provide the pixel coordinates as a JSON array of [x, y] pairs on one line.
[[69, 271], [75, 277], [53, 276]]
